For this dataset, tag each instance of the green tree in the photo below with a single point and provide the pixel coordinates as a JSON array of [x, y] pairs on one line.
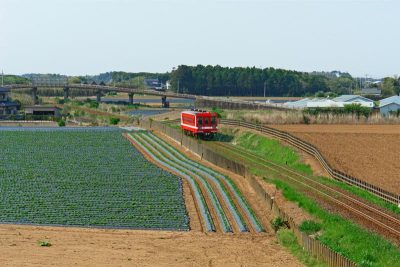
[[389, 86]]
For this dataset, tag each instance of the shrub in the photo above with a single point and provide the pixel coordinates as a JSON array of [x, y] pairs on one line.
[[278, 223], [114, 121], [61, 123], [44, 243], [306, 119], [219, 111], [310, 227], [94, 104]]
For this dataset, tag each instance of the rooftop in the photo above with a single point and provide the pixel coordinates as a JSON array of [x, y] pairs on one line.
[[390, 100], [349, 98]]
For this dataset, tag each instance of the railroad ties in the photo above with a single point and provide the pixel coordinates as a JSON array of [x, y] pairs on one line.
[[221, 205]]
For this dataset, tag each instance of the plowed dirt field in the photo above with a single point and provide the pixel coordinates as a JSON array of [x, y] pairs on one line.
[[97, 247], [368, 152]]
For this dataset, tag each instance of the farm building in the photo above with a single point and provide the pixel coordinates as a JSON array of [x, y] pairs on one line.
[[390, 104], [43, 111], [371, 91], [302, 103], [354, 99], [323, 103], [7, 107]]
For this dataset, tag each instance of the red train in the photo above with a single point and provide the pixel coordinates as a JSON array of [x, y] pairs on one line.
[[199, 123]]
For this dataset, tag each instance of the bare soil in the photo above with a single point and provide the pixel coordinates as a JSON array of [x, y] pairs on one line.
[[367, 152], [97, 247]]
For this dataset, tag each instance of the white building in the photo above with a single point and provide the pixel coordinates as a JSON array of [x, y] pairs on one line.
[[354, 99], [324, 103], [302, 103]]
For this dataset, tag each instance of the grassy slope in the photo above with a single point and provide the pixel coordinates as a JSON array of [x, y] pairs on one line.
[[338, 233]]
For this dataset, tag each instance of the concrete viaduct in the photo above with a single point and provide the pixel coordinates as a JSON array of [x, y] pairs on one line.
[[98, 91], [200, 101]]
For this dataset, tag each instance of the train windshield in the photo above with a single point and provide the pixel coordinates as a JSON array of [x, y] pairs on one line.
[[200, 121]]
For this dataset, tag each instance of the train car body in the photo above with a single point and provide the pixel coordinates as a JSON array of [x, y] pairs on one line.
[[199, 123]]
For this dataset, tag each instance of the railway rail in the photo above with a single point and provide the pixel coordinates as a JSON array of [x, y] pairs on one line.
[[380, 218]]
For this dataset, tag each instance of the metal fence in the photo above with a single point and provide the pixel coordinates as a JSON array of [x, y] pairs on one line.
[[310, 244], [310, 149]]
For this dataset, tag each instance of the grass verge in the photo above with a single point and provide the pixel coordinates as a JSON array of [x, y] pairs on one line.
[[342, 235], [287, 239], [267, 148]]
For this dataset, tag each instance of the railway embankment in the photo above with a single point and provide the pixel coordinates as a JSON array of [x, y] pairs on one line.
[[349, 235]]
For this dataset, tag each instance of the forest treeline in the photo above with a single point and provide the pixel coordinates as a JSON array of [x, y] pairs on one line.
[[225, 81], [238, 81]]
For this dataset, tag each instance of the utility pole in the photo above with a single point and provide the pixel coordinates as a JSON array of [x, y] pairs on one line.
[[265, 87], [2, 78], [178, 88]]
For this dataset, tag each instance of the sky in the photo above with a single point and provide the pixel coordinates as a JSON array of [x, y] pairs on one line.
[[79, 37]]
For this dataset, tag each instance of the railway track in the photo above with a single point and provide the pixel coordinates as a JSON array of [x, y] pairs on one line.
[[380, 218]]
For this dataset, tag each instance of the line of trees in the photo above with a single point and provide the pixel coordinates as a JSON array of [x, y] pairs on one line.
[[238, 81]]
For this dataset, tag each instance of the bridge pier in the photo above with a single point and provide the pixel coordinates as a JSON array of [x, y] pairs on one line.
[[98, 96], [34, 96], [66, 92], [164, 102], [130, 95]]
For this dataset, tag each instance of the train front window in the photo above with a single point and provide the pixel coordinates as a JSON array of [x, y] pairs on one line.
[[206, 121], [200, 121]]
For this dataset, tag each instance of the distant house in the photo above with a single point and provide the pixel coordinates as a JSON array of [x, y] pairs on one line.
[[354, 99], [371, 91], [43, 111], [323, 103], [299, 104], [154, 84], [390, 104], [7, 107]]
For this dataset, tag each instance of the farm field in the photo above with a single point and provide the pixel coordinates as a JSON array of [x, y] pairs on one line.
[[84, 177], [221, 205], [368, 152], [106, 247], [67, 176]]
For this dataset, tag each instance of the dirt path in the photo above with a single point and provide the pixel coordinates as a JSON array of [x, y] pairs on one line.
[[94, 247]]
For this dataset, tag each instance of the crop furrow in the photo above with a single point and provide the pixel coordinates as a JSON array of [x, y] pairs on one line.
[[205, 213], [232, 186], [220, 186], [214, 200]]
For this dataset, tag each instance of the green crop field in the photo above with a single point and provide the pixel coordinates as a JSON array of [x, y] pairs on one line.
[[90, 178]]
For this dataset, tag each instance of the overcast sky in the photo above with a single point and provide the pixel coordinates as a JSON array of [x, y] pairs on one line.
[[92, 36]]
